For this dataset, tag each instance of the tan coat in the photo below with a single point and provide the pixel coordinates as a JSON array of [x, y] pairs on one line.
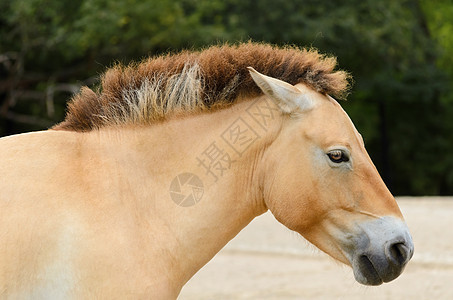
[[92, 214]]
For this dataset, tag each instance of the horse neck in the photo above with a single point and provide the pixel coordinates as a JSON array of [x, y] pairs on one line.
[[222, 151]]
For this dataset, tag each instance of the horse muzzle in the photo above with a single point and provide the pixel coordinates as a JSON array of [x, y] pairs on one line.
[[381, 251]]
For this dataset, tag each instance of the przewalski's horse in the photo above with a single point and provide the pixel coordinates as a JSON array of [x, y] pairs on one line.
[[150, 176]]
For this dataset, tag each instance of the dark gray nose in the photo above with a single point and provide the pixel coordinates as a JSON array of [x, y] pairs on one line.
[[382, 251], [399, 252]]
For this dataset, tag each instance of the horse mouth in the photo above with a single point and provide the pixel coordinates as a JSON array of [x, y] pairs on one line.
[[368, 274]]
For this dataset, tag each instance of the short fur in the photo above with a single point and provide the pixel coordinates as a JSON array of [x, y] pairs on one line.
[[150, 91]]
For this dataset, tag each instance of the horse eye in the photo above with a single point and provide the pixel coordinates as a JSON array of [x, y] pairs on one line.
[[337, 156]]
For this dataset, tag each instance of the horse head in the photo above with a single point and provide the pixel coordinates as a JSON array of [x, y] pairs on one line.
[[320, 182]]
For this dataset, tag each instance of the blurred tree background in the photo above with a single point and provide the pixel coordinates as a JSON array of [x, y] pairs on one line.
[[399, 53]]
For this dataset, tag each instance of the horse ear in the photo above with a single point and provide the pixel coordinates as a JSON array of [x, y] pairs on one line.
[[287, 96]]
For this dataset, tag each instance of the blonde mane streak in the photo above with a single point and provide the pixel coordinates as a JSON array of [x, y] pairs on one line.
[[151, 91], [157, 97], [185, 91]]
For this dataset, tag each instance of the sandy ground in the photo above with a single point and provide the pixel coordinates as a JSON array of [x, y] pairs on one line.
[[267, 261]]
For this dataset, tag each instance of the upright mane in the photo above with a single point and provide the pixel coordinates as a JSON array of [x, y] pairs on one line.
[[150, 91]]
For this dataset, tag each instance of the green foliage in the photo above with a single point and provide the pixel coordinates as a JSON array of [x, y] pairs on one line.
[[399, 53], [440, 24]]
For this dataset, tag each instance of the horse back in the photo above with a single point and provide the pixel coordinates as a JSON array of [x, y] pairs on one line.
[[64, 230]]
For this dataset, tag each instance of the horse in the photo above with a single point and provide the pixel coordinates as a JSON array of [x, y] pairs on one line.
[[155, 170]]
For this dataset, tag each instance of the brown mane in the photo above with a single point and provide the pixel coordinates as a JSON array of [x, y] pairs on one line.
[[195, 81]]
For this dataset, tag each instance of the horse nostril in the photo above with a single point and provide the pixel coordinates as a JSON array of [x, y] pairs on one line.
[[398, 253]]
